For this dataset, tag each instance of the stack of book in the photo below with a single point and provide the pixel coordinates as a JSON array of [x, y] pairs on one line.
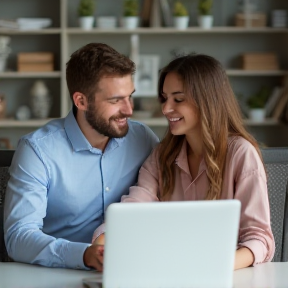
[[35, 61], [251, 20], [260, 61], [25, 23], [156, 13], [277, 104]]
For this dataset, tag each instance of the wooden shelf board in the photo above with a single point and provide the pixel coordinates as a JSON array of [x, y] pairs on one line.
[[242, 72], [33, 31], [15, 74], [172, 30]]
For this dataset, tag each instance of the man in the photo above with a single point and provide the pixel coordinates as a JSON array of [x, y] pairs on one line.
[[65, 174]]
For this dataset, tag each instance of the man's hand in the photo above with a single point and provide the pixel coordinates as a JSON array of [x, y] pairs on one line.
[[94, 255]]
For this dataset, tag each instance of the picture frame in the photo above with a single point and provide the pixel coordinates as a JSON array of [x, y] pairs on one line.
[[146, 76]]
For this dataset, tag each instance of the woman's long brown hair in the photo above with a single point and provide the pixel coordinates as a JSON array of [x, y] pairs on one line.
[[208, 87]]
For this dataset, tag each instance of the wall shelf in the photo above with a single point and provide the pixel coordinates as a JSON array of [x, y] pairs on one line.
[[14, 74], [170, 30]]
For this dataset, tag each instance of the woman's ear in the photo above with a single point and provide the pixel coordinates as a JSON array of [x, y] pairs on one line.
[[80, 101]]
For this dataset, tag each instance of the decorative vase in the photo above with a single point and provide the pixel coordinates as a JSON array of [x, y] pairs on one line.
[[5, 50], [86, 22], [181, 22], [40, 100], [106, 22], [205, 21]]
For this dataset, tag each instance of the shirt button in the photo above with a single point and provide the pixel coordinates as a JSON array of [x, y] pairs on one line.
[[107, 189]]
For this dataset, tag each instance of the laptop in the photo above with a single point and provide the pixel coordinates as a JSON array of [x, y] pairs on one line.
[[170, 244]]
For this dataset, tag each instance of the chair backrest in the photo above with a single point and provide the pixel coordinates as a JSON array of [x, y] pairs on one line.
[[5, 161], [276, 163]]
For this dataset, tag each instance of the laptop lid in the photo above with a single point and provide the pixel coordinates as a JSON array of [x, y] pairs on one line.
[[171, 244]]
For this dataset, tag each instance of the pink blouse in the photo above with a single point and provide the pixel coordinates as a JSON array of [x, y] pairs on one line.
[[244, 179]]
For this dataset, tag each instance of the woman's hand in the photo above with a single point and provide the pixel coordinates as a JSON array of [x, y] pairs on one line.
[[94, 255], [243, 258]]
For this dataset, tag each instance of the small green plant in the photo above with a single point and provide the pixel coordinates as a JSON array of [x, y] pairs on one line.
[[204, 7], [86, 8], [179, 9], [130, 8], [259, 99]]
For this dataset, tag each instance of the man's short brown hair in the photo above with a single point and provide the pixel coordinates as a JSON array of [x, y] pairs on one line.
[[90, 63]]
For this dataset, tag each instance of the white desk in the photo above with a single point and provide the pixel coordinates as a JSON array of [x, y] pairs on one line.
[[272, 275], [17, 275]]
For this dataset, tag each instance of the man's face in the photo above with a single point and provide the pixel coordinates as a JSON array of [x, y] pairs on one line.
[[108, 112]]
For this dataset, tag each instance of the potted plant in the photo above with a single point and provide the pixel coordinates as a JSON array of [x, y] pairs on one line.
[[86, 13], [130, 14], [205, 19], [180, 15], [257, 104]]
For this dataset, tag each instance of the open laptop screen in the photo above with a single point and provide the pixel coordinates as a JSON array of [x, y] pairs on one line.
[[171, 244]]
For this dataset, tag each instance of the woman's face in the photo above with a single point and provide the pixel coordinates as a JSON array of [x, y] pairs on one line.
[[181, 113]]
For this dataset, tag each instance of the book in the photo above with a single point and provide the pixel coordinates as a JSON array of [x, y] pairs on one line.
[[35, 61], [9, 24], [286, 114], [145, 13], [272, 100], [155, 16], [166, 13], [35, 57], [260, 61], [280, 107]]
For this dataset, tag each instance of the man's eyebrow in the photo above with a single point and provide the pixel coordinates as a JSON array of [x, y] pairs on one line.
[[119, 96]]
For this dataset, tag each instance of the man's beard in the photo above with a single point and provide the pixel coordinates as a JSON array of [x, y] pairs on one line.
[[99, 124]]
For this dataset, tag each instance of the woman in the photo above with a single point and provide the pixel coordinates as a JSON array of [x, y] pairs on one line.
[[207, 154]]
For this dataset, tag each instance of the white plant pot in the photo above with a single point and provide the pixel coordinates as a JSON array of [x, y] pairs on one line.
[[106, 22], [257, 114], [205, 21], [181, 22], [130, 22], [86, 22]]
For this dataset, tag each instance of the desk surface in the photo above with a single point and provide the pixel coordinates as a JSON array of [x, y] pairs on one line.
[[16, 275]]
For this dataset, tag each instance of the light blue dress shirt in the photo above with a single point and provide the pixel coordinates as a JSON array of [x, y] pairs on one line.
[[60, 187]]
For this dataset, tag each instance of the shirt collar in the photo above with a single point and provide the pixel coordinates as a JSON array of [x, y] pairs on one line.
[[79, 141], [182, 160]]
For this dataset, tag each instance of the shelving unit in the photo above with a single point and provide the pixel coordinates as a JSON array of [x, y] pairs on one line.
[[224, 41]]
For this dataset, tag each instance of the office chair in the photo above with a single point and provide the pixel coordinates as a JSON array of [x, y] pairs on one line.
[[276, 164], [5, 161]]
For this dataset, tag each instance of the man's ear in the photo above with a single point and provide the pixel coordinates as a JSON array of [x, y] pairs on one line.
[[80, 101]]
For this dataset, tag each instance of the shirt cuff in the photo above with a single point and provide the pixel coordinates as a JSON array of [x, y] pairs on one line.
[[100, 230], [258, 249], [74, 255]]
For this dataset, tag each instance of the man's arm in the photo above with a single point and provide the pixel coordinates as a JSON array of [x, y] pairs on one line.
[[24, 211]]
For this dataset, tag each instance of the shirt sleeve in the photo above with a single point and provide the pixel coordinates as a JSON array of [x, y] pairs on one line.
[[24, 211], [251, 189]]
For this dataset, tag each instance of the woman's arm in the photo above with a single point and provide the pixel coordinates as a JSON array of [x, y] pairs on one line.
[[250, 187], [243, 258]]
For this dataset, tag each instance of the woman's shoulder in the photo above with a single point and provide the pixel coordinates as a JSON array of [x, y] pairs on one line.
[[242, 153], [240, 145]]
